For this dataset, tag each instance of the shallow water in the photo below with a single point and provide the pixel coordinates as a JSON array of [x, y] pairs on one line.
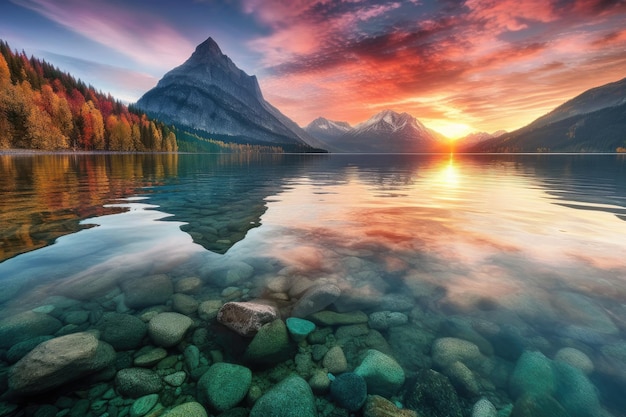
[[513, 253]]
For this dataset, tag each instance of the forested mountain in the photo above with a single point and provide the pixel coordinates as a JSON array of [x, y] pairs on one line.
[[42, 107]]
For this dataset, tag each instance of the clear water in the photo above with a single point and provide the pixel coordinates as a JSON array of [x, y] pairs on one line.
[[510, 252]]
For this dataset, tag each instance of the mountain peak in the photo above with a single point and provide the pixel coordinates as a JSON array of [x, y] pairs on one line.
[[208, 47]]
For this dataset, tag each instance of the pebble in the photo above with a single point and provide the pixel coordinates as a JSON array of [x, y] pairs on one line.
[[150, 358]]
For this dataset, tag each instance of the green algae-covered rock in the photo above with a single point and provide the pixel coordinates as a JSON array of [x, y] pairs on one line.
[[224, 385], [270, 344], [533, 374], [191, 409], [383, 375], [292, 397], [299, 328]]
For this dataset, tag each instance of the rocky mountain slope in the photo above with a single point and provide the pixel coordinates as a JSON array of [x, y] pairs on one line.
[[594, 121], [211, 96]]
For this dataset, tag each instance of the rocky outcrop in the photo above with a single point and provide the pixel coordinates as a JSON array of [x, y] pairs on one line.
[[209, 94]]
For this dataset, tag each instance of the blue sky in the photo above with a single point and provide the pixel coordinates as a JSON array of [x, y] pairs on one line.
[[457, 65]]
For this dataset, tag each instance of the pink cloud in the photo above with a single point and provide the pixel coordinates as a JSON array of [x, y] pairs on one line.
[[498, 64], [142, 37]]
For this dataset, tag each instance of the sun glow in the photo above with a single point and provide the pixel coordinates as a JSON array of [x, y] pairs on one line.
[[451, 130]]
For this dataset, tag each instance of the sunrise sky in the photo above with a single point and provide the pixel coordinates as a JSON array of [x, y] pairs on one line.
[[458, 66]]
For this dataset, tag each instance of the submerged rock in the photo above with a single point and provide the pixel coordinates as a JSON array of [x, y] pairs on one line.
[[190, 409], [299, 328], [168, 329], [26, 325], [382, 320], [383, 375], [349, 391], [432, 395], [292, 397], [332, 318], [315, 299], [122, 331], [538, 405], [147, 291], [137, 382], [246, 318], [484, 408], [58, 361], [270, 345], [335, 360], [575, 358], [533, 374], [377, 406], [224, 385], [447, 350]]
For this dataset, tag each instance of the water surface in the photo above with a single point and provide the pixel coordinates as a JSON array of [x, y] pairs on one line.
[[525, 252]]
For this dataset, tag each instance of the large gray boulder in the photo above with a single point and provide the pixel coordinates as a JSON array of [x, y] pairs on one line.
[[292, 397], [246, 318], [383, 375], [58, 361]]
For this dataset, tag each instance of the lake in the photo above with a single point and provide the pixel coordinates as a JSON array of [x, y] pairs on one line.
[[505, 275]]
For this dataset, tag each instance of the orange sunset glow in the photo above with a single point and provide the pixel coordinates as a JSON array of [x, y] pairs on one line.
[[458, 66]]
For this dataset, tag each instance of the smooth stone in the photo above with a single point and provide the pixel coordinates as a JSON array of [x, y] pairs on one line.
[[246, 318], [299, 328], [122, 331], [575, 392], [463, 379], [382, 320], [292, 397], [142, 405], [188, 285], [207, 310], [332, 318], [147, 291], [184, 304], [168, 329], [176, 379], [432, 395], [335, 360], [377, 406], [25, 326], [349, 391], [461, 329], [383, 375], [224, 385], [533, 374], [190, 409], [269, 345], [315, 299], [484, 408], [150, 358], [319, 381], [447, 350], [58, 361], [238, 271], [137, 382], [575, 358], [192, 357]]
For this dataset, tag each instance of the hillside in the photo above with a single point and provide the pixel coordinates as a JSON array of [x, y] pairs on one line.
[[42, 107]]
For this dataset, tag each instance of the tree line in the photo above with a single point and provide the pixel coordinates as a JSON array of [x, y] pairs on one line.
[[42, 107]]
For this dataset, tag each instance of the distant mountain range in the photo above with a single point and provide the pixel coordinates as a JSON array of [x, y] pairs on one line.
[[210, 96], [385, 132], [594, 121]]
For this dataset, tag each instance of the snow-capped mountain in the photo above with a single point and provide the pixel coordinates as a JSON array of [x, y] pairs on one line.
[[388, 132], [325, 129]]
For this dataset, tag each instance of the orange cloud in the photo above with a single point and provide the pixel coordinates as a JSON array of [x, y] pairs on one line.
[[496, 64]]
